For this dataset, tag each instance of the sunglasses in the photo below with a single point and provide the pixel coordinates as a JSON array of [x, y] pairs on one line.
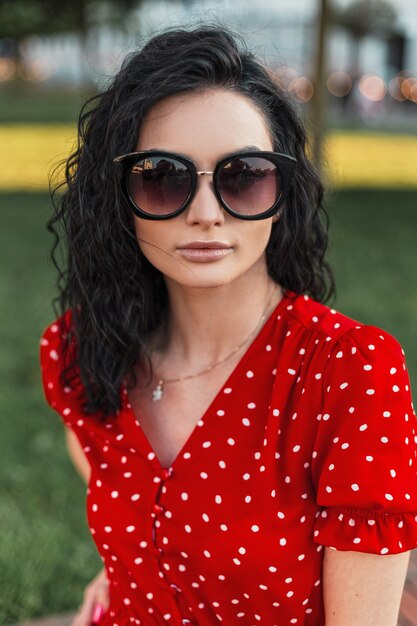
[[160, 185]]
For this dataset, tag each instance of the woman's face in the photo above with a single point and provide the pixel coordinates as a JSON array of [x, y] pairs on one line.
[[204, 126]]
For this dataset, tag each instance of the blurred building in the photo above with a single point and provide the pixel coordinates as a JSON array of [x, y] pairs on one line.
[[283, 32]]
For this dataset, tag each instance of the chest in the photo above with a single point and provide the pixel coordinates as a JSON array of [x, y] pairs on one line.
[[236, 507], [169, 422]]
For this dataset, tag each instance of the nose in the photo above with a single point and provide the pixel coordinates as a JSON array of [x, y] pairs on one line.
[[205, 209]]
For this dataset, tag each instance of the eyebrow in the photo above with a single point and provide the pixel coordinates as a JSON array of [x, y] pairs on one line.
[[226, 154], [244, 149]]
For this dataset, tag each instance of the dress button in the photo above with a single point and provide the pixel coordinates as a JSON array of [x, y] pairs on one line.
[[157, 508], [166, 473]]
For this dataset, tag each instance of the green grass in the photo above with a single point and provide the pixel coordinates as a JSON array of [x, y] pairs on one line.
[[25, 103], [46, 553], [373, 252]]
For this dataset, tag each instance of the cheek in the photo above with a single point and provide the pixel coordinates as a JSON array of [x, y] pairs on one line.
[[138, 228], [145, 236], [139, 233], [149, 231], [260, 236], [154, 241]]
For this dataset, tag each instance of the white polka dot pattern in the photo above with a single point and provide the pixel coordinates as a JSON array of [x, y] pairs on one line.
[[310, 442], [371, 417]]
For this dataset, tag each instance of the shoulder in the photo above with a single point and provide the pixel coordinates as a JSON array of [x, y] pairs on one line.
[[338, 329], [56, 351], [321, 318], [54, 341], [351, 359]]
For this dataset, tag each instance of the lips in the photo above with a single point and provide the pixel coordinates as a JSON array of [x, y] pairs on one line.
[[205, 251], [205, 244]]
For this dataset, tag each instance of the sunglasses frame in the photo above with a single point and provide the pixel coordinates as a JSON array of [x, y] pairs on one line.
[[284, 163]]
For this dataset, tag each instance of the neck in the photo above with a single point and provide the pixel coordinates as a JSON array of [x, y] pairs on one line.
[[206, 324]]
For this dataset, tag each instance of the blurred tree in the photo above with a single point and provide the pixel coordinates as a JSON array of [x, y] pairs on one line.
[[364, 17], [21, 18], [360, 18], [318, 105]]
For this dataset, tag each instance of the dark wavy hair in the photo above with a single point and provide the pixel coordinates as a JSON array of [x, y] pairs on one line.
[[114, 294]]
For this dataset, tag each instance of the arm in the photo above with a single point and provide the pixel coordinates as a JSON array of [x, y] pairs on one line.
[[96, 593], [361, 589], [77, 455]]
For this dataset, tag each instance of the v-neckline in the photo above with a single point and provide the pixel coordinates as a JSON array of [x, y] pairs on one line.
[[135, 419]]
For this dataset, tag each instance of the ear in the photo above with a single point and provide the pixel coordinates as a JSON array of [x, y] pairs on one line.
[[277, 216]]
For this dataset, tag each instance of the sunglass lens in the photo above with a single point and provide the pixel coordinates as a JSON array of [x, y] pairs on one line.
[[250, 185], [159, 185]]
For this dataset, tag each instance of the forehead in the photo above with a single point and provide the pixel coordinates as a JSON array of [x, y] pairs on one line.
[[204, 125]]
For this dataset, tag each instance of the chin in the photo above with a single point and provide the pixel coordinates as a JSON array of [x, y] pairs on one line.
[[206, 284], [201, 281]]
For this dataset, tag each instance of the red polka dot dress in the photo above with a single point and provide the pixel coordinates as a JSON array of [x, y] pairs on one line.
[[310, 442]]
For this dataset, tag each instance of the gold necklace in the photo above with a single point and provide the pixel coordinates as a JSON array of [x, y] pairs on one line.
[[158, 392]]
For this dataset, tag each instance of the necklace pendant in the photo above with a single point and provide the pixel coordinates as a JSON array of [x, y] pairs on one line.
[[158, 392]]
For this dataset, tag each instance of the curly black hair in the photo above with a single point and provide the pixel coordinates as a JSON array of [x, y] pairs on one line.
[[115, 295]]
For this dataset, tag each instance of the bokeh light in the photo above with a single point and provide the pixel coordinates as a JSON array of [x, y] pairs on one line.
[[7, 68], [284, 75], [409, 88], [339, 84], [372, 87], [301, 88], [36, 70], [394, 88]]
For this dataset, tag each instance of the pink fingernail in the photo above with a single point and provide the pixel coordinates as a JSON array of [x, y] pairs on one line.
[[97, 614]]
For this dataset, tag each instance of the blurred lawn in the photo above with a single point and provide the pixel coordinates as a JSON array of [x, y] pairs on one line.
[[25, 102], [46, 553], [45, 550]]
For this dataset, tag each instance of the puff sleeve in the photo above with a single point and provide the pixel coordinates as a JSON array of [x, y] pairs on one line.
[[64, 400], [365, 452]]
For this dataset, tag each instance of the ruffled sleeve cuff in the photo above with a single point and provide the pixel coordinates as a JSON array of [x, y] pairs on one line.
[[365, 530]]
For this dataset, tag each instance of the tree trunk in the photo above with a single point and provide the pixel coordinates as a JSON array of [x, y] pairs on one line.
[[319, 98]]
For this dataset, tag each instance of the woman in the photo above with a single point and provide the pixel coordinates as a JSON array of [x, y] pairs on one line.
[[249, 452]]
